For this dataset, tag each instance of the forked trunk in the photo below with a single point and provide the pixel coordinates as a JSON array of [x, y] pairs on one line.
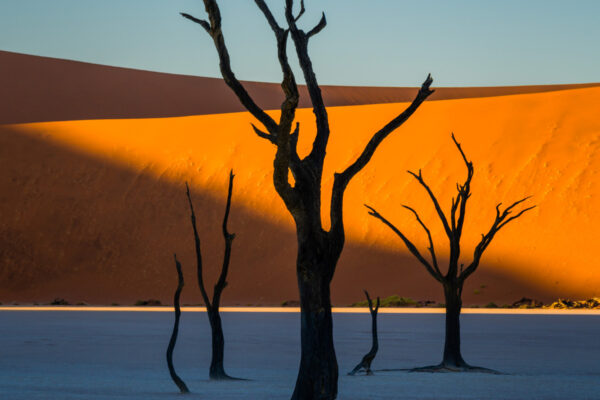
[[318, 374], [368, 358], [452, 354], [317, 378], [218, 347]]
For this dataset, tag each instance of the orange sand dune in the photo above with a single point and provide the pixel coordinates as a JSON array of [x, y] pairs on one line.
[[94, 209], [38, 89]]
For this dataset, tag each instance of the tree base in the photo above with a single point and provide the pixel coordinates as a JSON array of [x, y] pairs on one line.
[[444, 368], [367, 372], [225, 377], [455, 368]]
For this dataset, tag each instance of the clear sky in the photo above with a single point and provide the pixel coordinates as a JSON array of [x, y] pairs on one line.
[[377, 42]]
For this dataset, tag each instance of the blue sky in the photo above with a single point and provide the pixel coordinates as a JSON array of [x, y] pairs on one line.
[[378, 42]]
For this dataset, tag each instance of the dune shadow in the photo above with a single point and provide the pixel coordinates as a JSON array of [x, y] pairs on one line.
[[87, 230]]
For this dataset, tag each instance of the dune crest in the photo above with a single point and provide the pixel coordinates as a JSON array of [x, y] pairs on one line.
[[36, 89]]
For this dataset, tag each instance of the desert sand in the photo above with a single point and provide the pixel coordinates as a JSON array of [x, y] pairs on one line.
[[36, 89], [93, 210]]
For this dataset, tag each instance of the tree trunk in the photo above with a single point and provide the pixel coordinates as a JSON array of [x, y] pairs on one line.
[[368, 358], [318, 373], [178, 381], [375, 345], [452, 355], [218, 347]]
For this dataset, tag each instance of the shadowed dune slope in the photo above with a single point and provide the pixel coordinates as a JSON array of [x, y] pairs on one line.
[[94, 209], [38, 89], [89, 229]]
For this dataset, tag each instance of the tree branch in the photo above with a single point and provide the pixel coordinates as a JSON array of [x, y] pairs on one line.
[[318, 28], [499, 222], [214, 30], [288, 83], [464, 192], [317, 154], [458, 205], [453, 208], [286, 140], [269, 16], [263, 134], [516, 216], [409, 245], [201, 22], [341, 180], [509, 209], [222, 282], [198, 251], [430, 248], [294, 143], [436, 204], [369, 302], [302, 10]]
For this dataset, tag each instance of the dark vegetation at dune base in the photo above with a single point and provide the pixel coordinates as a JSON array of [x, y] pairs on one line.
[[398, 301], [149, 302], [525, 302], [593, 303], [387, 302]]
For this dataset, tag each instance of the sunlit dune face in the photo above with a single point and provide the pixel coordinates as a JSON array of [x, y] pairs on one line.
[[545, 145]]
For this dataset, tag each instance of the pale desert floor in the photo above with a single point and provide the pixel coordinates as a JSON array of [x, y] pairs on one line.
[[121, 355]]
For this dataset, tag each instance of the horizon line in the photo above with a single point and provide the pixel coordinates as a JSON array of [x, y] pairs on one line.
[[335, 310]]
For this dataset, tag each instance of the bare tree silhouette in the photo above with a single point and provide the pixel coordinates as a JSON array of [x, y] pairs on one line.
[[217, 370], [456, 275], [178, 381], [368, 358], [318, 249]]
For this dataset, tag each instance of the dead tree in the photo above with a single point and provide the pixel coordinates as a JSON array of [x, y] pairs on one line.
[[456, 275], [318, 249], [366, 361], [212, 307], [178, 381]]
